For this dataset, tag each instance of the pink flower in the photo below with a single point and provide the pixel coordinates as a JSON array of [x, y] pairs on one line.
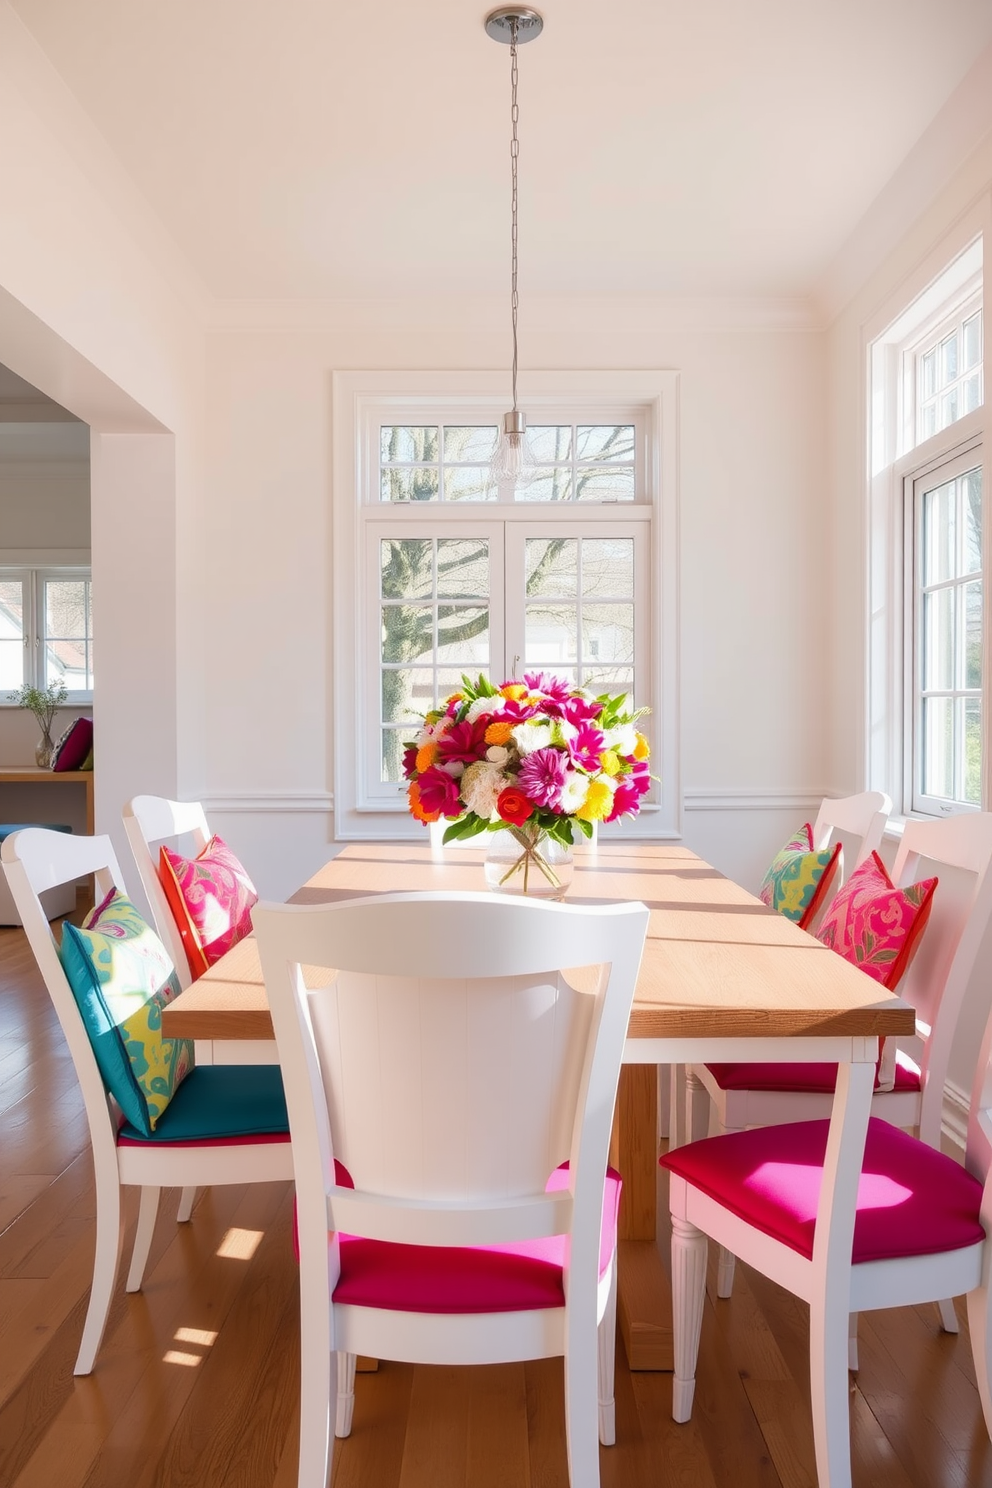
[[548, 683], [410, 761], [625, 799], [542, 776], [587, 746], [463, 741], [438, 793]]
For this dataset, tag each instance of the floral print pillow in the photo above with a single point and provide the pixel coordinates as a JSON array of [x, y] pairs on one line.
[[799, 879], [875, 925], [211, 898], [121, 977]]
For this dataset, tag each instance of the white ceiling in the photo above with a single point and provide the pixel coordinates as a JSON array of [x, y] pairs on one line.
[[309, 148]]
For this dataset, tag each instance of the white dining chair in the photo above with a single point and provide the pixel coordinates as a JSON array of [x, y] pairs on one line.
[[941, 981], [848, 1223], [223, 1124], [857, 822], [149, 821], [434, 1087]]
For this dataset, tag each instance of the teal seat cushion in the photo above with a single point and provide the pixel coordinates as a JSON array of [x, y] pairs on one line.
[[219, 1102]]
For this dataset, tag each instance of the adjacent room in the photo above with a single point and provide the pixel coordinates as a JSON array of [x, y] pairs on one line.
[[532, 450]]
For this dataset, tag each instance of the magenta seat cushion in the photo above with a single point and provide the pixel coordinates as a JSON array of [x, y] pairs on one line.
[[912, 1200], [820, 1078], [447, 1279]]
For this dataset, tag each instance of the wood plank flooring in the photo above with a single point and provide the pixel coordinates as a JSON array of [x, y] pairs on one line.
[[196, 1384]]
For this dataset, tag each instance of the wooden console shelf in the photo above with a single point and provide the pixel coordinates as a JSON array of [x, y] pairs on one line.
[[31, 775]]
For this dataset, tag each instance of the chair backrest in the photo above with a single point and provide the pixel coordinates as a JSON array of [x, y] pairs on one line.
[[149, 821], [35, 860], [942, 978], [858, 821], [449, 1063]]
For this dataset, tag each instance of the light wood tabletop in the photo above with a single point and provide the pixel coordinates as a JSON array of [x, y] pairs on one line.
[[722, 977]]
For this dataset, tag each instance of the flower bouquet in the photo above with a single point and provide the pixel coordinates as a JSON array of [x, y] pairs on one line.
[[536, 759]]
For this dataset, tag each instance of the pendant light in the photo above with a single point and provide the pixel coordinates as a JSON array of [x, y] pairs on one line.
[[512, 466]]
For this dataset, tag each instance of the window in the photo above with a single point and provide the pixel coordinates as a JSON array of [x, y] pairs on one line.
[[454, 576], [929, 668], [46, 630]]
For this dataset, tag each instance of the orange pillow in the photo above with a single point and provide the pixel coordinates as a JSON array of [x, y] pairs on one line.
[[211, 897]]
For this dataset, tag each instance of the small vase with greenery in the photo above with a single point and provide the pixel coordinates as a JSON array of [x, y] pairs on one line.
[[44, 703]]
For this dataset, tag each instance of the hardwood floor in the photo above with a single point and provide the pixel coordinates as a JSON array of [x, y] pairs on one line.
[[197, 1380]]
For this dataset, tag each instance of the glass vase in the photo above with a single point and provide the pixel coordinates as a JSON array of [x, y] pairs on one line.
[[43, 751], [526, 860]]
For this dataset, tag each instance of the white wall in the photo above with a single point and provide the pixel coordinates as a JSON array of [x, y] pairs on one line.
[[753, 526]]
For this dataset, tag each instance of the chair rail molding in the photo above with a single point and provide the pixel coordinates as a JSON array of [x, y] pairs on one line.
[[803, 798], [279, 802]]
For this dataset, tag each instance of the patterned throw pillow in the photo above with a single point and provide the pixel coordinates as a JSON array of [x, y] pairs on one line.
[[211, 898], [875, 925], [121, 977], [799, 879]]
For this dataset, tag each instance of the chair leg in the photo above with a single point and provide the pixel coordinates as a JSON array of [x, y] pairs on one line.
[[345, 1408], [697, 1107], [828, 1353], [581, 1401], [981, 1345], [689, 1248], [147, 1211], [186, 1201], [606, 1350], [676, 1107], [948, 1316], [852, 1343], [109, 1243], [318, 1374]]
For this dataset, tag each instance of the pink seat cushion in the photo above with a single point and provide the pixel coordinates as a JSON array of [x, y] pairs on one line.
[[447, 1279], [807, 1078], [912, 1200]]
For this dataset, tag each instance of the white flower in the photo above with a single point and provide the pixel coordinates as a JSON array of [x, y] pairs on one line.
[[497, 754], [622, 739], [480, 787], [478, 708], [574, 791], [531, 736], [454, 768]]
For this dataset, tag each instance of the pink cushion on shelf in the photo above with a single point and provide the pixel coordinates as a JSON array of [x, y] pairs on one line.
[[450, 1279], [211, 898], [912, 1200], [804, 1077], [874, 925], [72, 748]]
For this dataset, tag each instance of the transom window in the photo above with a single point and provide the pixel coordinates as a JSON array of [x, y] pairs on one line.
[[450, 462], [949, 374], [46, 630]]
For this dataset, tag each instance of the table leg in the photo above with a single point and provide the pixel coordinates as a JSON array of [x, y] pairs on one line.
[[644, 1301]]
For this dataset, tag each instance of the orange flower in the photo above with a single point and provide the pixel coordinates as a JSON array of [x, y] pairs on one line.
[[416, 809], [642, 749], [513, 690], [498, 733], [426, 755], [513, 806]]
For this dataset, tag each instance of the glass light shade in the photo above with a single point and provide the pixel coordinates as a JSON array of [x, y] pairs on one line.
[[513, 463]]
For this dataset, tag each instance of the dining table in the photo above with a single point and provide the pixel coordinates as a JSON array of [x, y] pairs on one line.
[[723, 978]]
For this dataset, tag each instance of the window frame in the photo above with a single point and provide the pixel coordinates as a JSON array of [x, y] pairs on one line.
[[945, 466], [361, 402], [946, 282], [34, 576]]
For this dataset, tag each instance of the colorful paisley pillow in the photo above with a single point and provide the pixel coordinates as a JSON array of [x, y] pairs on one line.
[[211, 897], [121, 977], [799, 879], [875, 925]]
